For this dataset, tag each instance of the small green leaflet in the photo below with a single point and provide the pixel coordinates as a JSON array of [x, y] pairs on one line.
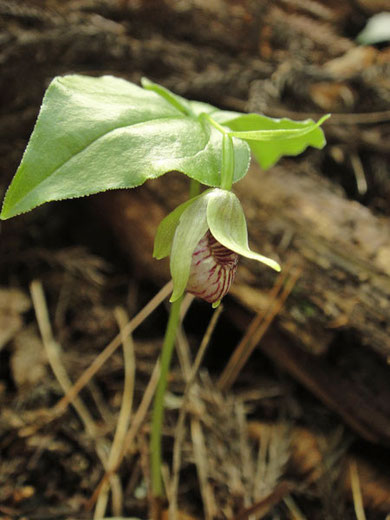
[[279, 134], [270, 139], [166, 230]]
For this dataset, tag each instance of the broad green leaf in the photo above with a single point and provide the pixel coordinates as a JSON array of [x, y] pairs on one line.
[[166, 230], [224, 117], [191, 228], [95, 134], [226, 220], [199, 107], [280, 136]]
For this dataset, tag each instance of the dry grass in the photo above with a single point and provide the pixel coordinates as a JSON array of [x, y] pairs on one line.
[[216, 466]]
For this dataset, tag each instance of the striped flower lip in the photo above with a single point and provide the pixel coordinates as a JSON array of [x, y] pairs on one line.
[[213, 269], [204, 237]]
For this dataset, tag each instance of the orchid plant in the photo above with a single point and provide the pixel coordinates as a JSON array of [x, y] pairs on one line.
[[96, 134]]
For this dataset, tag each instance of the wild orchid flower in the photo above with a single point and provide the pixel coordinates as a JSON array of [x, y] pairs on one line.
[[129, 135], [205, 237], [213, 268]]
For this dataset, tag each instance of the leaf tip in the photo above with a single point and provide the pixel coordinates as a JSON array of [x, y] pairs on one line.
[[323, 119], [145, 82], [175, 296], [5, 212], [273, 264], [159, 256]]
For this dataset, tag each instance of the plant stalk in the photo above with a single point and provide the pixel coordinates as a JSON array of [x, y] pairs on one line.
[[158, 407], [227, 171]]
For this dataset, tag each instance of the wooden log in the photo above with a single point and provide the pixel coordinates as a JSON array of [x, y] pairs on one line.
[[343, 249], [333, 334]]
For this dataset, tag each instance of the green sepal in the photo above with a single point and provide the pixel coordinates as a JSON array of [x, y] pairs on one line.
[[226, 220], [166, 230], [190, 229]]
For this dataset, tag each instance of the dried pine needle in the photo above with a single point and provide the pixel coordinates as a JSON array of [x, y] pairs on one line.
[[180, 430], [123, 419], [52, 350], [111, 348], [356, 491], [258, 327]]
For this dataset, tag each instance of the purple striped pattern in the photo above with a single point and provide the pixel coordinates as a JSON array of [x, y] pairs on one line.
[[212, 270]]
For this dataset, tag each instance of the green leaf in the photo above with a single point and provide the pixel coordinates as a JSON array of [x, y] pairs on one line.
[[191, 108], [191, 228], [227, 224], [224, 117], [270, 139], [279, 134], [198, 107], [95, 134], [166, 230], [180, 103]]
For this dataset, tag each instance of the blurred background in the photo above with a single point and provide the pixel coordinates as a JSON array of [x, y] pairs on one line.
[[301, 431]]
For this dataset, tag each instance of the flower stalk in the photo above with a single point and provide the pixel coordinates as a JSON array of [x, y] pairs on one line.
[[204, 238], [227, 171], [158, 406]]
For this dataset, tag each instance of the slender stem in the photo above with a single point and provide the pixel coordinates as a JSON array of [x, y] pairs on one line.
[[170, 333], [214, 123], [158, 407], [180, 104], [227, 170]]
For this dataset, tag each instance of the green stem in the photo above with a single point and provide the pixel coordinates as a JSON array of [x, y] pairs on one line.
[[169, 96], [170, 333], [158, 407], [214, 123], [227, 168]]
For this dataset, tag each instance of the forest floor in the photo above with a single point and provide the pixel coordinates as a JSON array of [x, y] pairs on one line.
[[262, 446]]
